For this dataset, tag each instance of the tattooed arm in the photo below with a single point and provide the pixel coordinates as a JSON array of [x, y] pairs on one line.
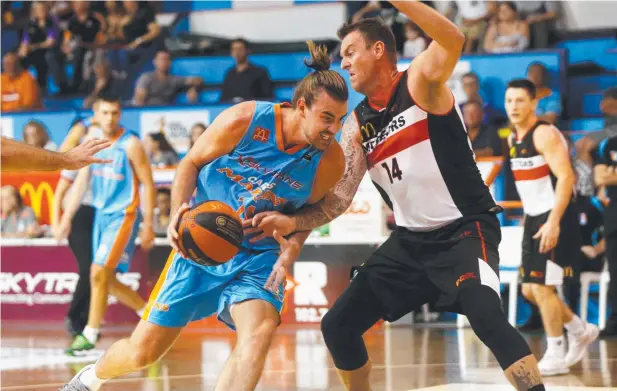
[[337, 200], [333, 204]]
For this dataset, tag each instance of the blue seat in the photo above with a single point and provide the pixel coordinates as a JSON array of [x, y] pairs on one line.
[[591, 50], [281, 67], [284, 94], [586, 124], [591, 104]]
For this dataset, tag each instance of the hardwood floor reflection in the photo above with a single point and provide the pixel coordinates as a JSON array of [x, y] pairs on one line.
[[404, 358]]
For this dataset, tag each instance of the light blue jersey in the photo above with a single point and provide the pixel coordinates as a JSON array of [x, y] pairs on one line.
[[114, 185], [258, 175], [115, 197]]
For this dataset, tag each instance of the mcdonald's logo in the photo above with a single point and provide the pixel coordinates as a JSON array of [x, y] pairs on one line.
[[36, 196], [368, 130]]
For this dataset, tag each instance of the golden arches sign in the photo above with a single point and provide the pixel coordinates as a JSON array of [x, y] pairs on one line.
[[36, 197]]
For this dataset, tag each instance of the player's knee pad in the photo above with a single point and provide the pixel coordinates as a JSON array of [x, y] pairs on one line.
[[345, 343], [482, 307]]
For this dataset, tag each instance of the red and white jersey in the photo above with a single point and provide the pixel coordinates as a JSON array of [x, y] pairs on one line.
[[534, 180], [421, 163]]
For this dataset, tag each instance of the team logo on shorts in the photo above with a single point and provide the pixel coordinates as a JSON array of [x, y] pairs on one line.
[[161, 307], [536, 274], [464, 277]]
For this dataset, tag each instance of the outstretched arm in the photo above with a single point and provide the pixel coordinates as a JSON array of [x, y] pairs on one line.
[[436, 63], [17, 156]]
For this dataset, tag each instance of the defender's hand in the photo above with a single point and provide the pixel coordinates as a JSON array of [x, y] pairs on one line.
[[83, 154], [265, 223], [289, 253]]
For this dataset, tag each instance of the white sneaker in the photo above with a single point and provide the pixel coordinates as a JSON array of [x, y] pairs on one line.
[[552, 365], [577, 345]]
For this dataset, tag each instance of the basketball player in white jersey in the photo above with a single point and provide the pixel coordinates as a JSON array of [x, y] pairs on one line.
[[545, 181], [409, 135]]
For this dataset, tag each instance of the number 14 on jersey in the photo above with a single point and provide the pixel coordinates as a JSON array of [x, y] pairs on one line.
[[395, 172]]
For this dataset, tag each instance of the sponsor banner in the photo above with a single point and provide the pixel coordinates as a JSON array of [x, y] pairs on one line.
[[176, 125], [37, 283], [37, 188]]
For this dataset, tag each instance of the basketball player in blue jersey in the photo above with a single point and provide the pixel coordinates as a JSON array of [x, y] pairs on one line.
[[255, 156], [115, 197]]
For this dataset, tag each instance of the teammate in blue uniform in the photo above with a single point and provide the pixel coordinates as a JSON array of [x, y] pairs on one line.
[[256, 156], [116, 199]]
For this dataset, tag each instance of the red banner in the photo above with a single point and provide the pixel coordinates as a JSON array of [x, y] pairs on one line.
[[36, 189]]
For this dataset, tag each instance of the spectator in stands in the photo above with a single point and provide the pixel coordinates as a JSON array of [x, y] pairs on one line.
[[36, 135], [415, 43], [139, 29], [471, 87], [472, 18], [549, 102], [608, 106], [245, 81], [508, 33], [62, 12], [39, 47], [196, 131], [85, 29], [160, 87], [115, 21], [160, 151], [106, 82], [541, 16], [484, 139], [162, 212], [18, 220], [18, 89]]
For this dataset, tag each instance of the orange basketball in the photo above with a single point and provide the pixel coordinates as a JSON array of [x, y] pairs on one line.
[[210, 233]]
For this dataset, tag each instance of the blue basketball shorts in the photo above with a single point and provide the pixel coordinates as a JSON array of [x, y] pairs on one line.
[[113, 240], [187, 292]]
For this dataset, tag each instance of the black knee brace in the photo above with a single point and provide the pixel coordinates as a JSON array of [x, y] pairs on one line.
[[482, 307], [354, 312]]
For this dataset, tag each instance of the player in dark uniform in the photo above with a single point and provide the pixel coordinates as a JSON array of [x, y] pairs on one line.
[[410, 137], [591, 222], [545, 181], [605, 174]]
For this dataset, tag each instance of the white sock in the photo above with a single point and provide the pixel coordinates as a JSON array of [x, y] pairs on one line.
[[576, 326], [556, 345], [90, 380], [91, 334], [140, 312]]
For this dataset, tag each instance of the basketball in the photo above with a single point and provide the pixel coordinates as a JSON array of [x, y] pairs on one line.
[[210, 233]]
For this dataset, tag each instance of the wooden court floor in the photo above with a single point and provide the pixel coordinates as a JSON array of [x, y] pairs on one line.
[[404, 358]]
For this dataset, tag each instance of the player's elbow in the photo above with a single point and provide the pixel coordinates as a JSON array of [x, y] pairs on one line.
[[457, 41]]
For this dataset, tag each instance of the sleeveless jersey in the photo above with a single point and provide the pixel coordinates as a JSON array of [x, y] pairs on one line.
[[533, 178], [259, 175], [92, 131], [115, 188], [421, 163]]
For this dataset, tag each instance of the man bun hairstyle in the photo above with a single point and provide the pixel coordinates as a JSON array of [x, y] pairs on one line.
[[323, 78]]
